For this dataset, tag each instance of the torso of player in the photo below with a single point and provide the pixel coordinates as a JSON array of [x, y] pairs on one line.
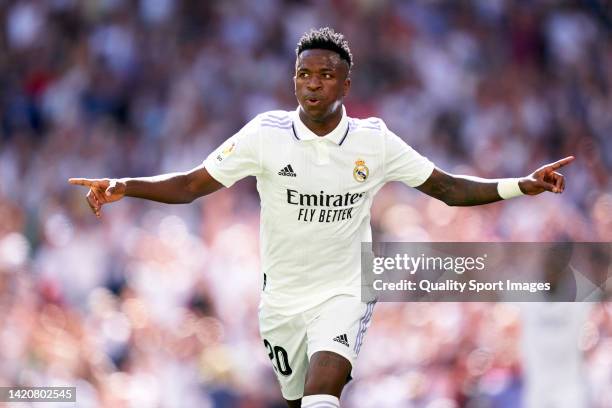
[[318, 189], [316, 193]]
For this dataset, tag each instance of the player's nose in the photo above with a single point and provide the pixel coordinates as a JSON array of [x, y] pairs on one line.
[[313, 83]]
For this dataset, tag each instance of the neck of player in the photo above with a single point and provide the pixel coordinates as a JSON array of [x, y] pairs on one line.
[[322, 126]]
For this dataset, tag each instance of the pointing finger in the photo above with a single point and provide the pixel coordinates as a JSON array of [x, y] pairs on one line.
[[558, 164], [80, 181], [84, 182]]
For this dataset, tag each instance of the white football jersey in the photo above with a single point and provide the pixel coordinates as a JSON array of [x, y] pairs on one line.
[[316, 193]]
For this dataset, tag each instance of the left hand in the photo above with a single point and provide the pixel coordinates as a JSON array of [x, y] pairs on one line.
[[545, 178]]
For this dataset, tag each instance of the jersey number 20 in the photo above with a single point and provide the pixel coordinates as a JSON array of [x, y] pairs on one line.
[[282, 360]]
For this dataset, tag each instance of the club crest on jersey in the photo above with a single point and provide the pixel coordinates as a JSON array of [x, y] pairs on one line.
[[227, 150], [361, 171]]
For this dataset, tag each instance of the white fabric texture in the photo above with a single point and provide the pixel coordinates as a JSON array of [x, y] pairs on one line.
[[320, 401]]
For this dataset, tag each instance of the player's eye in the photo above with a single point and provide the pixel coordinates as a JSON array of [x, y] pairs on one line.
[[303, 75], [327, 76]]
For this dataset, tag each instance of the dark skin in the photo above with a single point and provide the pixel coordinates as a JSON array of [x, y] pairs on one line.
[[457, 190], [321, 83]]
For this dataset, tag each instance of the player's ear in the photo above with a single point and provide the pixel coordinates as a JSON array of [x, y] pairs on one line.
[[346, 86]]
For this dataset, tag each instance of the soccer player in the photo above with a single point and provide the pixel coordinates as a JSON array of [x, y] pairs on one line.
[[317, 173]]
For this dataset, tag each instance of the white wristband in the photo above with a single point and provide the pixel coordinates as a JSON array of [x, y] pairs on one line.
[[509, 188]]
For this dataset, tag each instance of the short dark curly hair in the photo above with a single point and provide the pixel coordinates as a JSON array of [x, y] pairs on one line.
[[325, 38]]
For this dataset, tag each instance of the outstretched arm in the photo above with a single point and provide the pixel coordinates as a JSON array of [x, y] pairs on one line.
[[466, 190], [172, 188]]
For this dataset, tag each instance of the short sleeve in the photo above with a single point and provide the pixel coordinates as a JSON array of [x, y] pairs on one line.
[[403, 163], [238, 157]]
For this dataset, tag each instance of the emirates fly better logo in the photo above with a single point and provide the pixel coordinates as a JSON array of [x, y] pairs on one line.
[[323, 207]]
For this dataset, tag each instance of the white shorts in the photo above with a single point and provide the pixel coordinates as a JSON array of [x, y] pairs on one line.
[[338, 325]]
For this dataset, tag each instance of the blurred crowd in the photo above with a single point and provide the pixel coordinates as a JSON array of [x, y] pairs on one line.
[[156, 305]]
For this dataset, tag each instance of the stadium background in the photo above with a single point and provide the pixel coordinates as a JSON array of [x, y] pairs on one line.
[[156, 305]]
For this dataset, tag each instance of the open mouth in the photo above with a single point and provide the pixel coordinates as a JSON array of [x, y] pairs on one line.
[[312, 101]]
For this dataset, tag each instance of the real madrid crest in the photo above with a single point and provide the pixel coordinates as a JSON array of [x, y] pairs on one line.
[[361, 171]]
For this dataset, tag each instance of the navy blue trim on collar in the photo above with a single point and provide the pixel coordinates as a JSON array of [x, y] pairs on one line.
[[294, 133], [345, 135]]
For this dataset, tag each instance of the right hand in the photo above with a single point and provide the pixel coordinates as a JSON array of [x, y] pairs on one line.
[[101, 191]]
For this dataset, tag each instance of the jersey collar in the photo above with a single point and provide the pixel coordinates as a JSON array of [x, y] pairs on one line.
[[301, 131]]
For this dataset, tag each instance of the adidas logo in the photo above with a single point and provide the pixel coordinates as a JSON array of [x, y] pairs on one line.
[[342, 339], [287, 171]]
